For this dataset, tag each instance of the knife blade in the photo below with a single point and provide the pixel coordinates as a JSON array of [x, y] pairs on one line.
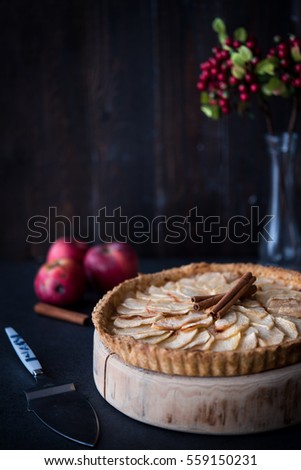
[[58, 405]]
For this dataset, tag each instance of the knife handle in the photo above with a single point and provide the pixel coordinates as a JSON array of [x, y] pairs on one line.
[[26, 355]]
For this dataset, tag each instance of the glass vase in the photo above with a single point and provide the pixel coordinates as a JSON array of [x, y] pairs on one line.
[[281, 244]]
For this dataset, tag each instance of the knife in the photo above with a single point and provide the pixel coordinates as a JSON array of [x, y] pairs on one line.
[[58, 405]]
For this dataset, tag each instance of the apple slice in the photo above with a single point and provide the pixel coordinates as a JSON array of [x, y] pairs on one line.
[[269, 337], [134, 321], [241, 324], [256, 312], [128, 312], [156, 292], [296, 321], [200, 339], [288, 327], [134, 303], [229, 344], [139, 332], [203, 323], [225, 322], [178, 321], [249, 341], [179, 339], [157, 339], [265, 322]]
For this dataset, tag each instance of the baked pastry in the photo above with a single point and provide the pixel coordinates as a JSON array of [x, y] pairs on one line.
[[151, 321]]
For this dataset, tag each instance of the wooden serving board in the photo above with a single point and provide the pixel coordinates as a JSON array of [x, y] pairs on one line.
[[208, 405]]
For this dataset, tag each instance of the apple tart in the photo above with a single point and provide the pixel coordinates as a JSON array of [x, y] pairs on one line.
[[205, 319]]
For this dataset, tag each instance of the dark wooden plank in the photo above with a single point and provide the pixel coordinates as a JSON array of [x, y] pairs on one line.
[[100, 110]]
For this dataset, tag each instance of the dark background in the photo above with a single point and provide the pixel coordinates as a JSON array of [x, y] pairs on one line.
[[99, 108]]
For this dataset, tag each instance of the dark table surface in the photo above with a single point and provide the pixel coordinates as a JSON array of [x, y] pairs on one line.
[[65, 351]]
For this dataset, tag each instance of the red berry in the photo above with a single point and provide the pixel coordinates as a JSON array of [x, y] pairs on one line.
[[242, 88], [229, 63], [282, 53], [250, 43], [248, 78], [255, 61], [284, 63], [285, 78], [282, 46], [297, 83], [205, 66], [223, 102], [223, 85], [298, 68], [244, 97], [233, 80], [201, 86], [236, 44], [221, 77], [229, 42], [224, 54], [254, 87], [213, 71], [213, 61], [225, 110], [205, 75]]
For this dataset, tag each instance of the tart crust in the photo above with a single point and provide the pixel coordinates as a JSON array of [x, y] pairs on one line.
[[195, 362]]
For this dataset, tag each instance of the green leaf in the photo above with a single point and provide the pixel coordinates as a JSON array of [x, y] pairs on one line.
[[296, 54], [266, 66], [245, 53], [212, 112], [218, 25], [237, 60], [240, 34], [274, 87], [204, 97], [238, 72], [222, 38]]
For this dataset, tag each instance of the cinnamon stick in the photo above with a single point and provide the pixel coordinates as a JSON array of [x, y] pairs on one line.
[[207, 302], [200, 298], [61, 313], [238, 290], [211, 300]]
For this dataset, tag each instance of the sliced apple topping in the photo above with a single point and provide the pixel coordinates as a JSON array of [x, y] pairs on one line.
[[180, 321], [249, 339], [287, 326], [179, 339], [269, 337], [199, 339], [134, 303], [228, 344], [241, 324], [165, 316], [297, 322], [225, 322], [157, 339], [139, 332], [134, 321], [206, 321]]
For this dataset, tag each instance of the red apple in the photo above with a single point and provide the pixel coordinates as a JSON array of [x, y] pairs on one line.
[[60, 282], [62, 248], [109, 264]]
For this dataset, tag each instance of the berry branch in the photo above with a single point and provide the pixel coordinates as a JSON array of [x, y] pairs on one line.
[[237, 71]]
